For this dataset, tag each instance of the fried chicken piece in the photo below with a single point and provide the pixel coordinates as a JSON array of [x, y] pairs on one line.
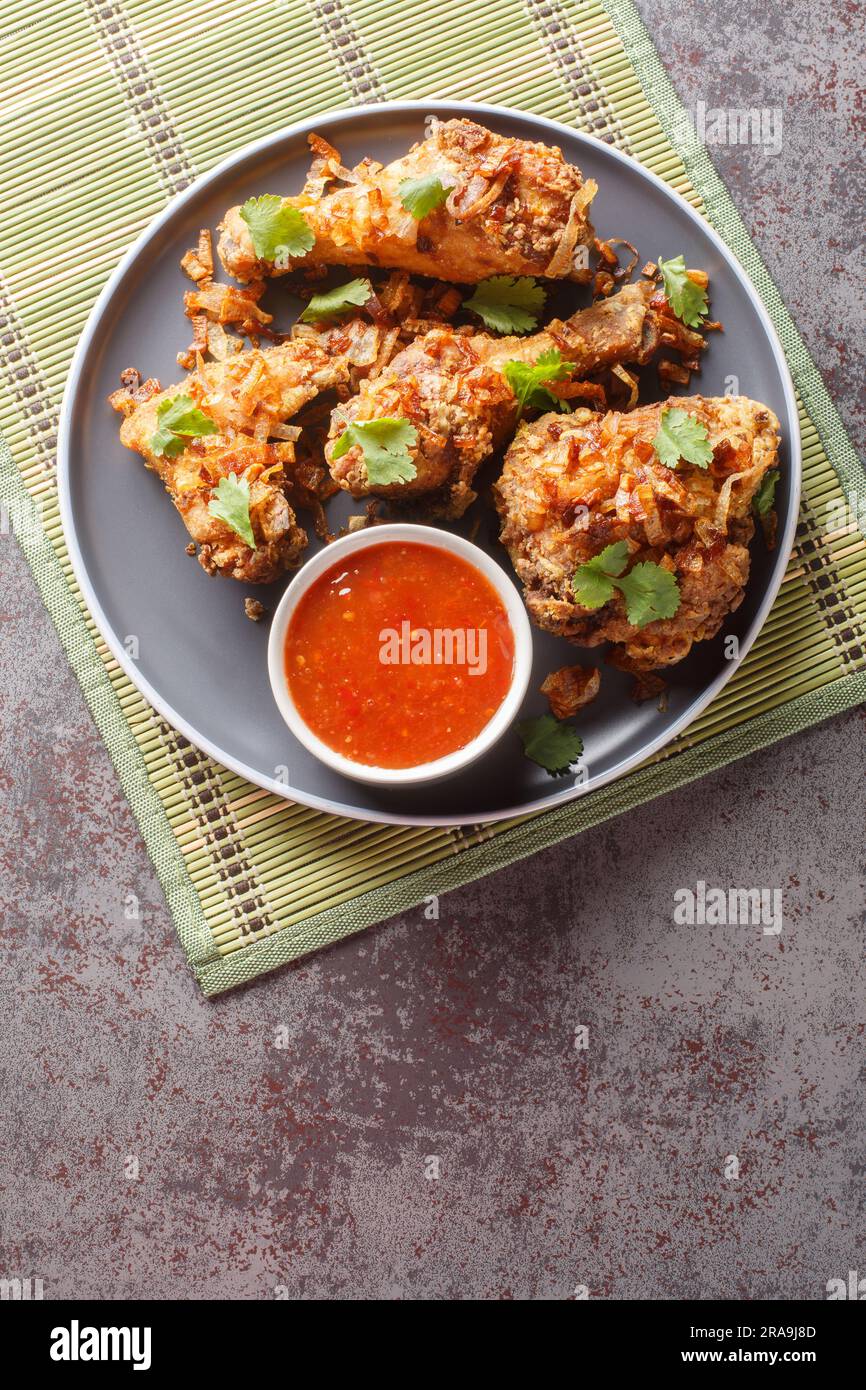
[[280, 541], [249, 396], [514, 208], [573, 485], [451, 387]]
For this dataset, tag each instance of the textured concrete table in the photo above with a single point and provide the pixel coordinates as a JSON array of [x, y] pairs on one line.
[[413, 1114]]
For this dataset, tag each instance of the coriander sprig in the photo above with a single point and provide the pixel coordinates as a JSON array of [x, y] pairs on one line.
[[650, 591], [278, 231], [527, 381], [507, 303], [231, 504], [681, 436], [552, 744], [687, 299], [385, 445], [343, 299], [765, 497], [178, 420], [422, 196]]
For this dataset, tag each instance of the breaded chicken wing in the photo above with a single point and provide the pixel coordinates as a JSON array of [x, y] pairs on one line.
[[249, 397], [451, 388], [573, 485], [513, 208]]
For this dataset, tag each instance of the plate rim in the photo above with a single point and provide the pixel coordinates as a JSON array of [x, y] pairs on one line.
[[556, 799]]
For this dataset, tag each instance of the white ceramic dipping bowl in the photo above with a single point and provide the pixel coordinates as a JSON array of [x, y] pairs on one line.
[[342, 549]]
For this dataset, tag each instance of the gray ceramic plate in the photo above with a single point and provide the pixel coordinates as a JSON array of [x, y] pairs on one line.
[[200, 661]]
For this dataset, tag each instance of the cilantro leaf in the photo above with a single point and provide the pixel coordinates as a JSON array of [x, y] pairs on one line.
[[277, 231], [681, 436], [231, 504], [551, 744], [343, 299], [385, 445], [527, 381], [688, 300], [507, 303], [421, 196], [764, 498], [650, 592], [593, 583], [177, 421], [592, 587]]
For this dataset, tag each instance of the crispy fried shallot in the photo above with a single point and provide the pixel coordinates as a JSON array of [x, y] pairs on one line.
[[570, 688]]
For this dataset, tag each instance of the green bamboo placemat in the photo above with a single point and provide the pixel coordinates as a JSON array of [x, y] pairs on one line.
[[109, 108]]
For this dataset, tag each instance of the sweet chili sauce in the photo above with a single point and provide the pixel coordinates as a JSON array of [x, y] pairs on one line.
[[399, 654]]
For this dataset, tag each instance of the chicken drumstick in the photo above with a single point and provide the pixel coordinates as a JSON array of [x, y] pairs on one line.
[[512, 207], [452, 390], [246, 401]]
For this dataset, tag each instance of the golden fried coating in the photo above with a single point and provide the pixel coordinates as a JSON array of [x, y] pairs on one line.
[[573, 485], [249, 396], [280, 542], [514, 208], [451, 388]]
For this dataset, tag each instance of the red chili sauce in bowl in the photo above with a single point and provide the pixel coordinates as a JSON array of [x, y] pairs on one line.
[[399, 655]]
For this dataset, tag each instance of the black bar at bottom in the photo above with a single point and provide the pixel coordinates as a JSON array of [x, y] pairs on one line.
[[141, 1338]]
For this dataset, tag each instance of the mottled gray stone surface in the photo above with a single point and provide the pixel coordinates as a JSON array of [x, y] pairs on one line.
[[451, 1044], [804, 205]]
